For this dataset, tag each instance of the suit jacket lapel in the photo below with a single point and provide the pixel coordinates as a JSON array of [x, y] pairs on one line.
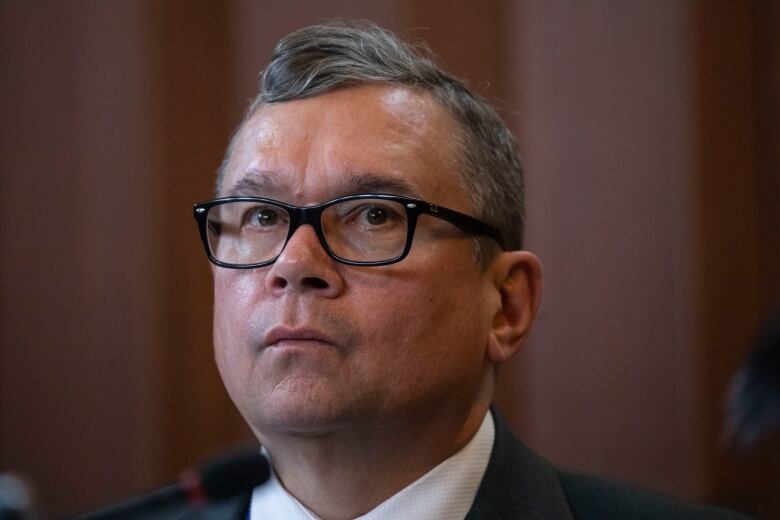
[[518, 483], [230, 509]]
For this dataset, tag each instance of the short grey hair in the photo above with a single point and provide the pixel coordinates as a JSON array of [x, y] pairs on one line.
[[336, 55]]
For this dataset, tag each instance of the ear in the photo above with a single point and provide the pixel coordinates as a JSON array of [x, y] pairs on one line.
[[517, 276]]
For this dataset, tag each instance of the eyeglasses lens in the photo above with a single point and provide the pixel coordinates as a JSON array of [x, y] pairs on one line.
[[242, 232], [358, 230], [365, 230]]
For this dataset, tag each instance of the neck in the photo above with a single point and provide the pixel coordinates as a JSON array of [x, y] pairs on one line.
[[346, 474]]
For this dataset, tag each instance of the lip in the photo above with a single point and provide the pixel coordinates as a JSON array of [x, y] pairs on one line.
[[278, 335]]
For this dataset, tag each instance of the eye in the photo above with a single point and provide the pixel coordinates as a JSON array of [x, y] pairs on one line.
[[379, 215], [366, 215], [376, 216], [262, 217], [266, 217]]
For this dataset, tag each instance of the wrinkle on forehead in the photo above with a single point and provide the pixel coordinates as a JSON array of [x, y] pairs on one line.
[[318, 148], [264, 183]]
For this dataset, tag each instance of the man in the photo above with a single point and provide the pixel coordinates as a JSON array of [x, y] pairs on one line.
[[369, 283]]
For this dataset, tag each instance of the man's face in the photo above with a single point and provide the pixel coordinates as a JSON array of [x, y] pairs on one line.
[[308, 345]]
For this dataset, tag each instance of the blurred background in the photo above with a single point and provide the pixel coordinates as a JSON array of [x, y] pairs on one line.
[[651, 138]]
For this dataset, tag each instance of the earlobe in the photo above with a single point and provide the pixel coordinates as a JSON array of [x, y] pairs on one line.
[[518, 278]]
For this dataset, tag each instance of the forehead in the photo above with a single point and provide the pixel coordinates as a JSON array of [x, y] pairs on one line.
[[367, 138]]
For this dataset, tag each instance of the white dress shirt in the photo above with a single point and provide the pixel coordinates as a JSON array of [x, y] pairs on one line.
[[444, 493]]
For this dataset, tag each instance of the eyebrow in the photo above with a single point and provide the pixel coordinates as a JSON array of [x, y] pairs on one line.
[[371, 182], [256, 183], [261, 183]]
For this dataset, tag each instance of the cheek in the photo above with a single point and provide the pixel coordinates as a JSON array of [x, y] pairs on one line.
[[235, 293], [233, 297], [429, 324]]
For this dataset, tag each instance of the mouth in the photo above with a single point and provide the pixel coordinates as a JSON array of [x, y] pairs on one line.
[[280, 337]]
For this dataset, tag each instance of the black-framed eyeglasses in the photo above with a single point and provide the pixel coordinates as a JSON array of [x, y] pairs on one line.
[[365, 229]]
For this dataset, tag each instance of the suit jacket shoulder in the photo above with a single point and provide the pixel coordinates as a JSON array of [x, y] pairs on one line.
[[592, 497], [520, 484], [229, 509]]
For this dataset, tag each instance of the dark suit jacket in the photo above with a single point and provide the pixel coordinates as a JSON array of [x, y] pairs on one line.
[[518, 484]]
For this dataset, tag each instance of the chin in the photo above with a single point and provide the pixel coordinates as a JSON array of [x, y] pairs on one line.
[[300, 423], [303, 415]]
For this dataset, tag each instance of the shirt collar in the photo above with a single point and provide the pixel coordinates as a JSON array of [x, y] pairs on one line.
[[445, 492]]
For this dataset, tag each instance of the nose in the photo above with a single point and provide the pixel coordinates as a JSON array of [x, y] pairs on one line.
[[304, 266]]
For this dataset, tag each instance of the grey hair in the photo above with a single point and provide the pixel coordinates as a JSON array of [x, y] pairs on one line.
[[336, 55]]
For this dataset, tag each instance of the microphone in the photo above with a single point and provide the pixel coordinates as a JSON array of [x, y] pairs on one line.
[[218, 479]]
